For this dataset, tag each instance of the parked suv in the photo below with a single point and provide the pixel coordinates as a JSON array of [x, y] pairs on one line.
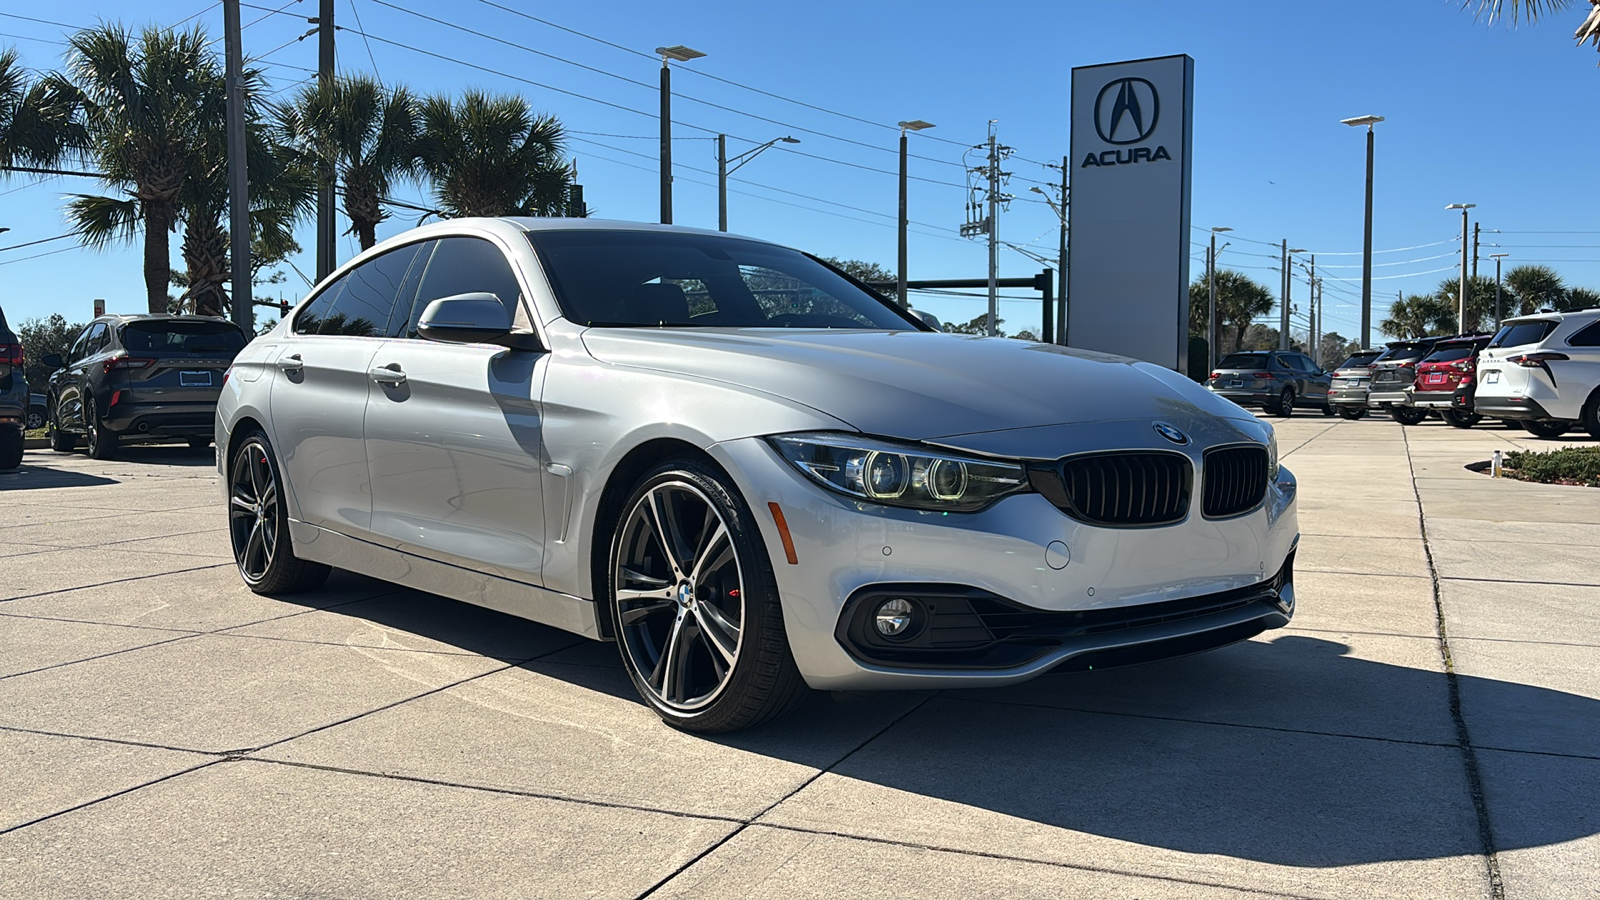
[[1543, 372], [1445, 379], [1392, 375], [13, 397], [1347, 392], [1275, 380], [140, 378]]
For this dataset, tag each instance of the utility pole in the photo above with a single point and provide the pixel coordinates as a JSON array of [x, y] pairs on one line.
[[900, 267], [1497, 307], [1461, 307], [327, 241], [1061, 292], [994, 228], [722, 184], [1311, 305], [238, 178], [1213, 333], [1475, 228], [681, 54], [1283, 311]]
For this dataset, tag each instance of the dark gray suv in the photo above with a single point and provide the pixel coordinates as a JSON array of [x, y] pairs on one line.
[[13, 397], [1275, 380]]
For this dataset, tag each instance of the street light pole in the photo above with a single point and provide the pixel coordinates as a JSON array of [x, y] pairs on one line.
[[1211, 305], [1288, 293], [1461, 307], [900, 267], [1497, 308], [1366, 245], [327, 238], [724, 170], [238, 179], [681, 54]]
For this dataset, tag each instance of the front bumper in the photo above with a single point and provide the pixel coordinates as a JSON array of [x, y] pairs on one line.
[[1023, 553]]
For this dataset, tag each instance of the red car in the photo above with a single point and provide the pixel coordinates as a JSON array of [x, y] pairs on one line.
[[1445, 378]]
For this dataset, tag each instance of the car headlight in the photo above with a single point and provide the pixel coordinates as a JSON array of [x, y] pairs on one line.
[[1272, 456], [900, 474]]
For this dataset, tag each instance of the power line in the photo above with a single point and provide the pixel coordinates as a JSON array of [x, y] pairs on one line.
[[36, 256], [40, 241], [42, 21], [23, 37], [364, 40]]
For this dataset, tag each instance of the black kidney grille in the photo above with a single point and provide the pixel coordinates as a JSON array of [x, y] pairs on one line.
[[1236, 480], [1127, 488]]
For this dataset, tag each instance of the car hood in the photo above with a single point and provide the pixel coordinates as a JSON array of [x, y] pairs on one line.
[[919, 385]]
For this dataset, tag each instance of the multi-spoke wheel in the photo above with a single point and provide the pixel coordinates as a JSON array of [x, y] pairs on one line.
[[695, 606], [258, 524]]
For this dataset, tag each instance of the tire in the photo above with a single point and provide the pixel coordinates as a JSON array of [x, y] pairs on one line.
[[1547, 430], [1408, 416], [674, 629], [10, 447], [1328, 410], [1591, 415], [35, 418], [1351, 413], [1460, 419], [60, 441], [1285, 404], [258, 523], [102, 442]]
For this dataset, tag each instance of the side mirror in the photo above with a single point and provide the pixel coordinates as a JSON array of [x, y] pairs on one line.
[[53, 360], [928, 319], [477, 318]]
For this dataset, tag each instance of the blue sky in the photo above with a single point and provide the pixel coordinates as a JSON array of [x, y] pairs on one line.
[[1488, 115]]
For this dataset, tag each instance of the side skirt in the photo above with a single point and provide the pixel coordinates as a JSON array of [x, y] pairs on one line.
[[524, 601]]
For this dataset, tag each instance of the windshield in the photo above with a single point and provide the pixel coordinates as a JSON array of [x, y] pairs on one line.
[[1358, 361], [1518, 333], [1243, 361], [653, 279], [179, 336]]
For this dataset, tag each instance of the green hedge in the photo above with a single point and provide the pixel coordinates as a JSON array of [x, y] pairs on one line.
[[1579, 465]]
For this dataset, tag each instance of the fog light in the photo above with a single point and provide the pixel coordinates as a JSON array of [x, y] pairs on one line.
[[893, 617]]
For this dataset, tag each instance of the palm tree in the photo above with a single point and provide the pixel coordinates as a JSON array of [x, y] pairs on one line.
[[281, 186], [1581, 298], [36, 126], [1420, 315], [1533, 10], [1535, 288], [141, 102], [491, 156], [1239, 300], [364, 132]]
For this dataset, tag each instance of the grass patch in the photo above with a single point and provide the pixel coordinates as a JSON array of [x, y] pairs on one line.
[[1570, 465], [32, 433]]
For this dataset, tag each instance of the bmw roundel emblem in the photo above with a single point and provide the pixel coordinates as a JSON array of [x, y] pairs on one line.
[[1170, 433]]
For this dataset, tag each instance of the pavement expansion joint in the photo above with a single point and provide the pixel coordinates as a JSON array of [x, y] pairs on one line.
[[181, 637], [118, 580], [1469, 756], [746, 823], [138, 787]]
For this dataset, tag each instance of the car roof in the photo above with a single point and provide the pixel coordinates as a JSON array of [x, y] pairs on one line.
[[124, 318]]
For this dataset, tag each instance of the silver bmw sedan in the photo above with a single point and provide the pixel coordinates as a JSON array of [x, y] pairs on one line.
[[748, 470]]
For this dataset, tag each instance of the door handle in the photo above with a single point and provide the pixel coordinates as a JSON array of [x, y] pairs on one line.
[[389, 374], [291, 363]]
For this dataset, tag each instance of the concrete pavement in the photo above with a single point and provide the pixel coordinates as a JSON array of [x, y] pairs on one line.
[[1429, 726]]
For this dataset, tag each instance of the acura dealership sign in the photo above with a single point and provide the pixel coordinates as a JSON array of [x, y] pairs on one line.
[[1128, 260]]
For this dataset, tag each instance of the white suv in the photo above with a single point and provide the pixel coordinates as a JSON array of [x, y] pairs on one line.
[[1543, 372]]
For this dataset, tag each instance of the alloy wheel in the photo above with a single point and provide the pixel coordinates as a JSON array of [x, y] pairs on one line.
[[253, 498], [680, 596]]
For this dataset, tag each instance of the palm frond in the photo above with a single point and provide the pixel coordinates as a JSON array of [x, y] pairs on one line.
[[103, 221]]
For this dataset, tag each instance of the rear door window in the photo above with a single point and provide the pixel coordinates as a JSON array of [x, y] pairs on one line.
[[92, 342], [311, 317], [371, 292], [463, 265], [163, 336], [1520, 333]]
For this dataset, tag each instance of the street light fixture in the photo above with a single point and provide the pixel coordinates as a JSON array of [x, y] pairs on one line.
[[1461, 308], [1497, 312], [900, 268], [724, 170], [681, 54], [1211, 306], [1366, 246]]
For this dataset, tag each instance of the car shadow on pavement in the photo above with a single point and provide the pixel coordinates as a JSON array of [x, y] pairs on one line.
[[32, 477], [1284, 751]]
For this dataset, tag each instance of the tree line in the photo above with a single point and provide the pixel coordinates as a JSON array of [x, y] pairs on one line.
[[145, 111]]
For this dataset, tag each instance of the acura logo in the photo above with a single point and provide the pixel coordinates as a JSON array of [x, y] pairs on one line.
[[1126, 111], [1170, 433]]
